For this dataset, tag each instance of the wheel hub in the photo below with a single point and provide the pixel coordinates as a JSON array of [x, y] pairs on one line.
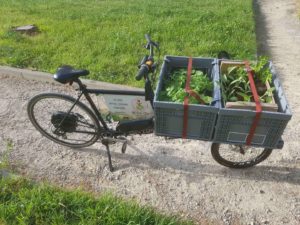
[[64, 122]]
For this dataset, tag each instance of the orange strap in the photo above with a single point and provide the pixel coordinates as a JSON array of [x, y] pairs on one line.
[[196, 96], [187, 84], [186, 98], [257, 104]]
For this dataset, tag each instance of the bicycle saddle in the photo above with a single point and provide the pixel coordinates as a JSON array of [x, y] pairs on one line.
[[65, 74]]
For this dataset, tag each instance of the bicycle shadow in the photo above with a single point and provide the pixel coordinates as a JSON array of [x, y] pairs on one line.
[[196, 171]]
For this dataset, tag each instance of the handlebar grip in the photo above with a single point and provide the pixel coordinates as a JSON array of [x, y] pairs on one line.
[[142, 72]]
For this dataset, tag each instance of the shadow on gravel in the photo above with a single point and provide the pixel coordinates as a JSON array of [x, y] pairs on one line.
[[262, 34], [261, 30], [197, 171]]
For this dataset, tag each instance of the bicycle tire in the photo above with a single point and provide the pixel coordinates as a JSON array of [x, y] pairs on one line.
[[215, 151], [52, 98]]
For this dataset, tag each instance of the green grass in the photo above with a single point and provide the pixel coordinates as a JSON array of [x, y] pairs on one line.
[[106, 36], [23, 202], [4, 155]]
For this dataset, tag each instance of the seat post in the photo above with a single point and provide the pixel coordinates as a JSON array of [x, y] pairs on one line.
[[82, 86], [84, 90]]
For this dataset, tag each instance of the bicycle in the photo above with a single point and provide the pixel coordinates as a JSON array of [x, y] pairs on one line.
[[67, 121]]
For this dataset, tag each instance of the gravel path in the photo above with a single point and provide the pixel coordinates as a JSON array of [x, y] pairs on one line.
[[176, 176]]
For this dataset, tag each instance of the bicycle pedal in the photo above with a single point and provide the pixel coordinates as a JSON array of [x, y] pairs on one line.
[[108, 141]]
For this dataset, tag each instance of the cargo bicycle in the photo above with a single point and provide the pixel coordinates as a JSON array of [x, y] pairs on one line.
[[68, 121]]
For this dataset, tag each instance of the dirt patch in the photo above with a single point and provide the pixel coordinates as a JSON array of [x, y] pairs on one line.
[[176, 176]]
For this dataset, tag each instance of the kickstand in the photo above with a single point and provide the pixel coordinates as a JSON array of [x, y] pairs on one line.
[[106, 143]]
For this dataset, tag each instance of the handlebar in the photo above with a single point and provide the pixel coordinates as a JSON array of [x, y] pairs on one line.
[[146, 66], [144, 69]]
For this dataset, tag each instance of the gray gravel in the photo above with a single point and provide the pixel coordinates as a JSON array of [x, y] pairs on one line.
[[175, 176]]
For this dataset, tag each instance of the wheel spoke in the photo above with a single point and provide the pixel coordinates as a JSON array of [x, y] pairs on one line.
[[239, 153], [84, 132], [85, 124], [242, 151], [238, 156]]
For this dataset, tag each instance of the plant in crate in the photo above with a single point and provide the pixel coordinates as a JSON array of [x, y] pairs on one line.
[[174, 87], [236, 89]]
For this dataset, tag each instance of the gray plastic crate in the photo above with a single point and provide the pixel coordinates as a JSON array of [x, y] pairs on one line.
[[201, 118], [233, 125]]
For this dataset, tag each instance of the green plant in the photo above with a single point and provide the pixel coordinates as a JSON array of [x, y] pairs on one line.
[[235, 84], [175, 87], [4, 157], [262, 71]]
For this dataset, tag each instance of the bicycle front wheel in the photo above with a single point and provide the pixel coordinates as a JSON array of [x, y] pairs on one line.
[[239, 156], [49, 113]]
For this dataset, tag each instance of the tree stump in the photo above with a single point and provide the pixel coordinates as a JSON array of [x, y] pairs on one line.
[[27, 29]]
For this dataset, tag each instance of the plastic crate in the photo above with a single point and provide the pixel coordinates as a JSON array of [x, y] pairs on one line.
[[233, 125], [201, 118]]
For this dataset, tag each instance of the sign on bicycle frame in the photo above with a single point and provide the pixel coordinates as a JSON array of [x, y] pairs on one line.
[[128, 106]]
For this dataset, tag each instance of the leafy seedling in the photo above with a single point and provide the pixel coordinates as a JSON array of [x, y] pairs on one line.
[[235, 84], [174, 87]]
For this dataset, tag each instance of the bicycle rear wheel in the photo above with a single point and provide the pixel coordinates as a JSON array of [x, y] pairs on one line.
[[48, 112], [239, 156]]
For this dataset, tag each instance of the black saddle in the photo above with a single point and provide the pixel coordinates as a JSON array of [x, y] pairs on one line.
[[65, 74]]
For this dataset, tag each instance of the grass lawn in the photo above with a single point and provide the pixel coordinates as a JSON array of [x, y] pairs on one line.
[[22, 202], [298, 7], [106, 36]]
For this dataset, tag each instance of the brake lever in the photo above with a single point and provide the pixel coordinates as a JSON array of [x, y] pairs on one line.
[[155, 44], [153, 67]]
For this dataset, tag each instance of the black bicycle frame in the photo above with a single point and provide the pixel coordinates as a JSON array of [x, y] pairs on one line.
[[85, 91]]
